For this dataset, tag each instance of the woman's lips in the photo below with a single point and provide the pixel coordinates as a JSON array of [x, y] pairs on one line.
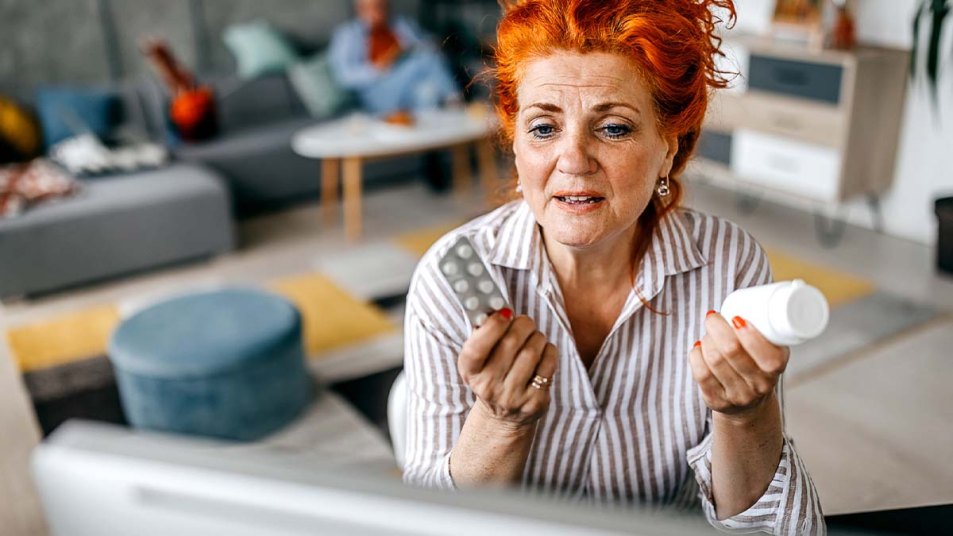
[[579, 204]]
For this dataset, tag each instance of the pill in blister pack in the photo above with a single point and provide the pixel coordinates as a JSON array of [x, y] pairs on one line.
[[471, 282]]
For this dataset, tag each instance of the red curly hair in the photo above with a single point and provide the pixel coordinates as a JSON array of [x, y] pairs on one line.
[[672, 43]]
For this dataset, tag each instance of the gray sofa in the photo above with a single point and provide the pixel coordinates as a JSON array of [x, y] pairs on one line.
[[116, 225], [126, 223], [257, 120]]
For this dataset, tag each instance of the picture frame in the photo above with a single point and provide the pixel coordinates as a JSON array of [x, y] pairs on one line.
[[800, 21]]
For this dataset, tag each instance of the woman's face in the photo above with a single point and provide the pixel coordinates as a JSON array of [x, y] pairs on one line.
[[588, 149]]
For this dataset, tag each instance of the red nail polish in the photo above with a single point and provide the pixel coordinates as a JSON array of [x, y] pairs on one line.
[[709, 313], [739, 322], [697, 344], [506, 313]]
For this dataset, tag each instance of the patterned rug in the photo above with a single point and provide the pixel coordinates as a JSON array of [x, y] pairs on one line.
[[352, 310]]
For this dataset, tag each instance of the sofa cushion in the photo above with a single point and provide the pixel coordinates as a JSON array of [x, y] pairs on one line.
[[250, 103], [317, 88], [64, 112], [264, 138], [259, 49]]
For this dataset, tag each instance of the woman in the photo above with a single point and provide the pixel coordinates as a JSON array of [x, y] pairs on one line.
[[607, 379]]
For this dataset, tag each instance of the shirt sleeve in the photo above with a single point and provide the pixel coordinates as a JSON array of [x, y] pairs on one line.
[[790, 505], [409, 34], [438, 399], [347, 55]]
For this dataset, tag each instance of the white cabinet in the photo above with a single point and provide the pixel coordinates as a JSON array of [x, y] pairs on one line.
[[820, 126], [800, 168]]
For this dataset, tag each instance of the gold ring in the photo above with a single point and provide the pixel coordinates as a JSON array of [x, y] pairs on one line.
[[539, 382]]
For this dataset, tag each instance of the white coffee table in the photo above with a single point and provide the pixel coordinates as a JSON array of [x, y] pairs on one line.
[[356, 138]]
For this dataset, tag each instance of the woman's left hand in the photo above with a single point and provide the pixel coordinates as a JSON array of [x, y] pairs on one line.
[[736, 367]]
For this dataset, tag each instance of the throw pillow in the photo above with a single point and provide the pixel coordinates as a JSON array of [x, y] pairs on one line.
[[66, 112], [19, 133], [22, 185], [259, 49], [316, 88]]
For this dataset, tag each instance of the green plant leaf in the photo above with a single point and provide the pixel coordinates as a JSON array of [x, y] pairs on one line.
[[914, 52], [940, 9]]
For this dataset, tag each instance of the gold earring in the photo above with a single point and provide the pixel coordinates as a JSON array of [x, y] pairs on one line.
[[663, 189]]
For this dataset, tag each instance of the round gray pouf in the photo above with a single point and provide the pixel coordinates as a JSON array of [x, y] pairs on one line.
[[225, 363]]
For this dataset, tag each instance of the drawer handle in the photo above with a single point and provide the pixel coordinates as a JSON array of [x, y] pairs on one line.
[[787, 122], [783, 163]]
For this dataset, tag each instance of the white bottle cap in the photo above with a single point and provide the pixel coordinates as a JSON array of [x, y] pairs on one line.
[[798, 310]]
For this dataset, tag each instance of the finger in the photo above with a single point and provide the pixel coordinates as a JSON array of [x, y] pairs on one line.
[[546, 368], [726, 340], [703, 376], [479, 346], [736, 388], [504, 353], [735, 354], [769, 358], [524, 366], [549, 362]]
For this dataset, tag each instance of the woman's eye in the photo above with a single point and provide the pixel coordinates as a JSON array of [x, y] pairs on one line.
[[542, 131], [616, 131]]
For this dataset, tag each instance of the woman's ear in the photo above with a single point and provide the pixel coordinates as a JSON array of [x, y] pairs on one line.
[[672, 143]]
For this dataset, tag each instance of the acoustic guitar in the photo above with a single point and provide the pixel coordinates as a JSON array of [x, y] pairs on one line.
[[192, 110]]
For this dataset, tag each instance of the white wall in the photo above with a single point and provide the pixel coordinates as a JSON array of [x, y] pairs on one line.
[[924, 167]]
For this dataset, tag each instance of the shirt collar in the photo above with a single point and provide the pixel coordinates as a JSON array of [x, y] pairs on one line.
[[673, 249]]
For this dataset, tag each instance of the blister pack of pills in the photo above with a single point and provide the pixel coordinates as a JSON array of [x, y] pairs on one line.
[[471, 282]]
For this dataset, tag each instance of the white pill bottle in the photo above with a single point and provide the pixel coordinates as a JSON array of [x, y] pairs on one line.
[[786, 313]]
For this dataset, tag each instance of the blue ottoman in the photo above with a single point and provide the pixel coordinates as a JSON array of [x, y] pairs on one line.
[[226, 363]]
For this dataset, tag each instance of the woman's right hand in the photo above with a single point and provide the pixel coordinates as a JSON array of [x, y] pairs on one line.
[[499, 362]]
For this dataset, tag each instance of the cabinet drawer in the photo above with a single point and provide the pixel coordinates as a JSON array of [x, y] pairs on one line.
[[807, 80], [810, 122], [804, 169], [715, 145]]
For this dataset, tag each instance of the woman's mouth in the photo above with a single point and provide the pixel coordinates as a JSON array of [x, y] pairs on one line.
[[578, 199], [578, 204]]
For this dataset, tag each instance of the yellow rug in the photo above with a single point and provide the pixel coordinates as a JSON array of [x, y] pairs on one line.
[[63, 339], [838, 287], [331, 317]]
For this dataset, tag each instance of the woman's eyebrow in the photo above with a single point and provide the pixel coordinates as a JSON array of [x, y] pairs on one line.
[[545, 106], [606, 106]]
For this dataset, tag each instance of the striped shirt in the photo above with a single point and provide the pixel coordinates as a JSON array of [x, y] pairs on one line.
[[634, 427]]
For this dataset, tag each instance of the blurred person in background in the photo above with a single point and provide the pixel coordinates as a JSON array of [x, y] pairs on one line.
[[389, 62]]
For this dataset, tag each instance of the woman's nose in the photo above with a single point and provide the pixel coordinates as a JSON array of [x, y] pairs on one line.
[[576, 156]]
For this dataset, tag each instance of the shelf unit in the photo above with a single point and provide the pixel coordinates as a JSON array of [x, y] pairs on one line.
[[804, 126]]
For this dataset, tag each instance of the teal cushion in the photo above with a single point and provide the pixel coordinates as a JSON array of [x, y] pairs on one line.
[[316, 88], [226, 363], [66, 112], [259, 49], [227, 328]]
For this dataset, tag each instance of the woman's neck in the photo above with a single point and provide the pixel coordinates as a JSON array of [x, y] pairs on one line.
[[602, 268]]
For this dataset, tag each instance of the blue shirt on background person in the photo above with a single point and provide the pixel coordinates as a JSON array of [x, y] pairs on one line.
[[418, 78]]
